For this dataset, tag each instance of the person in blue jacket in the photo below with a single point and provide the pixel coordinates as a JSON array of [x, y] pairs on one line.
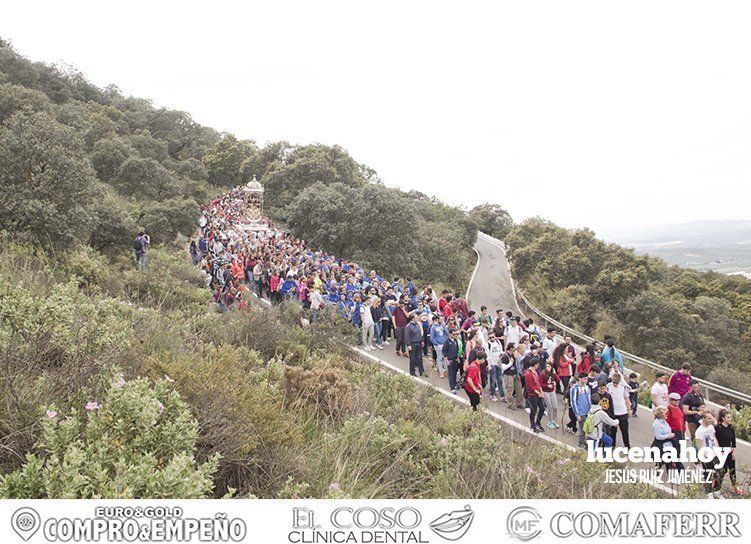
[[581, 402], [611, 353], [356, 319], [288, 288], [438, 336]]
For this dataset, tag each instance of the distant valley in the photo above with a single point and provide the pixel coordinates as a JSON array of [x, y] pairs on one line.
[[722, 246]]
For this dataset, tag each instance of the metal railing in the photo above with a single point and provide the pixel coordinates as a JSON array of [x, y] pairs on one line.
[[707, 386]]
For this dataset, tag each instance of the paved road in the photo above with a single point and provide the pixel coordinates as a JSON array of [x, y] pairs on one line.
[[491, 285]]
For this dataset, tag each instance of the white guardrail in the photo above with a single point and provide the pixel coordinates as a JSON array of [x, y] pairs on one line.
[[707, 386]]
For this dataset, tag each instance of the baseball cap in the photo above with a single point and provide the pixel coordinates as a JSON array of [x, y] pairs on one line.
[[674, 396]]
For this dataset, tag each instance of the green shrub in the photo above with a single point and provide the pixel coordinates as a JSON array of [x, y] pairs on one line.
[[237, 401], [169, 282], [742, 422], [62, 326], [137, 443]]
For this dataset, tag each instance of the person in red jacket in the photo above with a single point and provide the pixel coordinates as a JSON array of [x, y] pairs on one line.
[[680, 381], [586, 358], [534, 395], [675, 417], [472, 381], [564, 359]]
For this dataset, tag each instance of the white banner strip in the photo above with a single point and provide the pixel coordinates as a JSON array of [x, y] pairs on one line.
[[370, 522]]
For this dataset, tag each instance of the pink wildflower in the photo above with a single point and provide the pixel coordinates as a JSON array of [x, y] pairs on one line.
[[93, 406], [50, 414], [334, 486]]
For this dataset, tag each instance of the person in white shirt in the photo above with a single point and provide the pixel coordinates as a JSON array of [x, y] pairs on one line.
[[513, 333], [659, 391], [549, 343], [495, 350], [316, 301], [621, 407], [706, 438], [368, 325]]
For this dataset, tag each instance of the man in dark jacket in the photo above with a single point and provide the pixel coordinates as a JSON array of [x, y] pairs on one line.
[[451, 354], [140, 245], [413, 336]]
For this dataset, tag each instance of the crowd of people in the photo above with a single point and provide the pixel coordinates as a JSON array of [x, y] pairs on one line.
[[498, 356]]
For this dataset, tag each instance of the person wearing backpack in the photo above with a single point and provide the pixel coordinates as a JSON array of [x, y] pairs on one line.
[[511, 379], [594, 425], [581, 403], [140, 244]]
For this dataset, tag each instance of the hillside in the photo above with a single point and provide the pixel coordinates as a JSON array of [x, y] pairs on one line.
[[118, 383]]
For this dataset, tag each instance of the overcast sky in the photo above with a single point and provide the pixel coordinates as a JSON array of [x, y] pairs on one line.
[[600, 114]]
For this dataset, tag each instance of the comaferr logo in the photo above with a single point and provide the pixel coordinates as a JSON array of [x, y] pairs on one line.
[[640, 524], [526, 523]]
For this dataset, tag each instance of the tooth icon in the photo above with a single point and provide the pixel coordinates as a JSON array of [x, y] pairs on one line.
[[454, 525]]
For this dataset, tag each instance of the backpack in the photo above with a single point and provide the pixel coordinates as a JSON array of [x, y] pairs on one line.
[[589, 425], [137, 244], [510, 371]]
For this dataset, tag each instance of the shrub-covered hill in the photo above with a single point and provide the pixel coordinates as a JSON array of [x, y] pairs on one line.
[[117, 383], [84, 165]]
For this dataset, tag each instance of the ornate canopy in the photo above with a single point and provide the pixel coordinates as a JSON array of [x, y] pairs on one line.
[[254, 200]]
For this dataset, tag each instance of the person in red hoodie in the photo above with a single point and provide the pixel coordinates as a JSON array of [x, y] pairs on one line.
[[680, 381], [587, 358], [534, 395], [472, 381], [675, 417]]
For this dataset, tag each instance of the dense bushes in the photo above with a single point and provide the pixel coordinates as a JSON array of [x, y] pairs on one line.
[[66, 146], [394, 232], [491, 219], [47, 186], [136, 441]]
